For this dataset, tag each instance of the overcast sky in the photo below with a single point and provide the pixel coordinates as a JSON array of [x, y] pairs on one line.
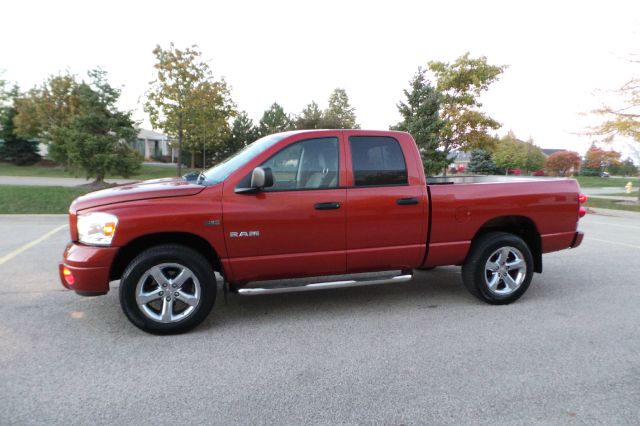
[[560, 54]]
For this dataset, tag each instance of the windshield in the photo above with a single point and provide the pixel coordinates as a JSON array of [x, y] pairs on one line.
[[222, 170]]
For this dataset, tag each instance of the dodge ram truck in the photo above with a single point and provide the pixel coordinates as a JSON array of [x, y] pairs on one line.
[[314, 203]]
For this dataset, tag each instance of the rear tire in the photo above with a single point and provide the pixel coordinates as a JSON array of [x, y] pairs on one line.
[[498, 269], [168, 289]]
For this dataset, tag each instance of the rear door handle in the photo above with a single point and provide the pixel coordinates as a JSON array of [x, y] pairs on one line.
[[407, 201], [327, 206]]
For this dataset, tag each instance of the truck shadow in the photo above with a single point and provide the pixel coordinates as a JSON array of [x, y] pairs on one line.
[[427, 289]]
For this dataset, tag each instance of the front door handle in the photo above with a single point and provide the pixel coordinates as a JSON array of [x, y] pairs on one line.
[[407, 201], [327, 206]]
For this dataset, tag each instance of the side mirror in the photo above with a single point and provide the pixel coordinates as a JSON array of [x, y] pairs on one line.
[[261, 177]]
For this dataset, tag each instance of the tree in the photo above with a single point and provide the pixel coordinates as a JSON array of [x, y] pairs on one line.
[[420, 117], [179, 73], [562, 163], [274, 120], [624, 168], [598, 160], [15, 149], [461, 83], [340, 114], [311, 117], [481, 162], [243, 132], [81, 124], [512, 153], [206, 122]]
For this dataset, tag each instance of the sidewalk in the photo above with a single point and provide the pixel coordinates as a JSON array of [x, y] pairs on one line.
[[53, 181]]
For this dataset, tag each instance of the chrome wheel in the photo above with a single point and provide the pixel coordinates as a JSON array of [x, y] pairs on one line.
[[168, 292], [505, 271]]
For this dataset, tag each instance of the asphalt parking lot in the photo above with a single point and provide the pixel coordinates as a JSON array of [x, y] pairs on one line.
[[424, 352]]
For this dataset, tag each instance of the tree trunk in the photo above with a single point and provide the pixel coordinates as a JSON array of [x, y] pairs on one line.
[[180, 147]]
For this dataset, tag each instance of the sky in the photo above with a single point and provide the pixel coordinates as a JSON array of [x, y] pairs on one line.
[[564, 58]]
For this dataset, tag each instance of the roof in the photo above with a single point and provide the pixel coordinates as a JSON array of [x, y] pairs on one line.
[[151, 135], [548, 152]]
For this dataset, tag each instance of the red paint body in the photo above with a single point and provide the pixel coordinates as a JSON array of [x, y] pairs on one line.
[[369, 232]]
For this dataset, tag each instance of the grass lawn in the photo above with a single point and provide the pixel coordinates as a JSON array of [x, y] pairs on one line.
[[37, 199], [146, 171], [610, 204], [598, 182]]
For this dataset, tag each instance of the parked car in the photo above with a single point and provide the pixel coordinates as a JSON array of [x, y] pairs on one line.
[[604, 175], [311, 204]]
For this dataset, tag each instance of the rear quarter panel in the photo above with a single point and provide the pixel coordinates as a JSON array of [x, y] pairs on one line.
[[460, 210]]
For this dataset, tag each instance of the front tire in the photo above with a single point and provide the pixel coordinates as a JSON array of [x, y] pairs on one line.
[[168, 289], [498, 269]]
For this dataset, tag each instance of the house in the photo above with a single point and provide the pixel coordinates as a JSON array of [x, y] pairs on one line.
[[460, 160], [155, 146], [548, 152]]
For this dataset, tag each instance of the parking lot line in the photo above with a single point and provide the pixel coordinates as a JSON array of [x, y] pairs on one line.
[[614, 242], [33, 243]]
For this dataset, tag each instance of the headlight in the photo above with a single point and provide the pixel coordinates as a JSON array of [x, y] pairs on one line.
[[97, 229]]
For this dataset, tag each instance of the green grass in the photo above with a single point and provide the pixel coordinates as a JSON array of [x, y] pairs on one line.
[[611, 204], [598, 182], [37, 199], [146, 171]]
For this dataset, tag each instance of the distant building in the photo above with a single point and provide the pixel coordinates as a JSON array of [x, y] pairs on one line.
[[548, 152], [154, 146], [461, 160]]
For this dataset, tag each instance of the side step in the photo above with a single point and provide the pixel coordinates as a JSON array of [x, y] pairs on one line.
[[325, 285]]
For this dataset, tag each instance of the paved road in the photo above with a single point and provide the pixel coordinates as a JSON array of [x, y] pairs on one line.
[[419, 353], [52, 181]]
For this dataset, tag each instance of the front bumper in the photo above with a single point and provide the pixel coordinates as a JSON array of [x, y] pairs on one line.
[[577, 240], [89, 267]]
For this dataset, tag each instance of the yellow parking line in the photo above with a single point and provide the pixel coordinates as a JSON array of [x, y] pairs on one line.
[[613, 242], [27, 246]]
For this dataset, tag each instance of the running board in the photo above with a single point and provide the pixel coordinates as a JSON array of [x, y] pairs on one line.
[[324, 286]]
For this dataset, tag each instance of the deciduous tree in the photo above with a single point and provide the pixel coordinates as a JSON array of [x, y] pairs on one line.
[[562, 163], [179, 73], [461, 83]]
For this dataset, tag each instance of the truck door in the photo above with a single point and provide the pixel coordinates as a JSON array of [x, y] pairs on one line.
[[386, 216], [296, 227]]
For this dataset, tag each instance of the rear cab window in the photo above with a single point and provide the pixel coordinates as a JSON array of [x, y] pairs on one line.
[[377, 161]]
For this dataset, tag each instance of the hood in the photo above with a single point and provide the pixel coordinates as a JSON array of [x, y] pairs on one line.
[[155, 188]]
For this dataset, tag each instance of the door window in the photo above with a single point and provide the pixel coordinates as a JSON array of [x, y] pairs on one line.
[[309, 164], [377, 161]]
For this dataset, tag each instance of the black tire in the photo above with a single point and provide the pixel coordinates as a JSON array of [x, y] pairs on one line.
[[426, 268], [195, 296], [478, 274]]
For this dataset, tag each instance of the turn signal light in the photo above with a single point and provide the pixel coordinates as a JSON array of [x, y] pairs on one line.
[[582, 198], [68, 276]]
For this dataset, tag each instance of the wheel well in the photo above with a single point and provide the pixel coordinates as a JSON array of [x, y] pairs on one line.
[[127, 253], [521, 226]]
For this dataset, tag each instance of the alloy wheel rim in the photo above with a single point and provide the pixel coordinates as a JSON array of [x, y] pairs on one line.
[[168, 293], [505, 271]]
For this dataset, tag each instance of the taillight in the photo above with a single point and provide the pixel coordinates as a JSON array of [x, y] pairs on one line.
[[68, 276], [582, 211]]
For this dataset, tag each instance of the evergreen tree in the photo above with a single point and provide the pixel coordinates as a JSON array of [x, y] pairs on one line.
[[421, 118], [15, 149], [274, 120], [310, 118], [340, 114], [243, 132], [481, 162]]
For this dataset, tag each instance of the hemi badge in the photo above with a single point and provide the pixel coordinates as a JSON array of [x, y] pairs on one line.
[[213, 222]]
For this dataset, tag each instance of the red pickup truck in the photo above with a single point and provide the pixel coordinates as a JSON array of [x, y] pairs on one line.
[[311, 204]]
